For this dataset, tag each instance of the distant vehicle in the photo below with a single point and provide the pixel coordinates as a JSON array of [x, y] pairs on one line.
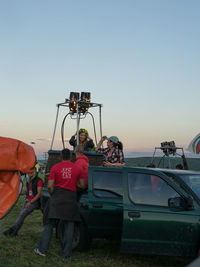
[[169, 150], [151, 211]]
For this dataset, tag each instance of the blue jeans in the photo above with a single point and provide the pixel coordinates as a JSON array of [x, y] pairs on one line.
[[24, 212], [68, 237]]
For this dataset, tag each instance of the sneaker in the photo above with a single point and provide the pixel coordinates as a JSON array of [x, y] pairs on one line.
[[39, 253], [67, 259], [9, 232], [13, 234]]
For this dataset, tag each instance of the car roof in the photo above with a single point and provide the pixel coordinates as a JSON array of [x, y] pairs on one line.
[[180, 172], [173, 171]]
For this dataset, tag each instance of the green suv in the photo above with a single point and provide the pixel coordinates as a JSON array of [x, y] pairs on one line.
[[152, 211]]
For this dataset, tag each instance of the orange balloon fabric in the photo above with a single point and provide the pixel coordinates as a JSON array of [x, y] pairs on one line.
[[15, 157], [9, 190]]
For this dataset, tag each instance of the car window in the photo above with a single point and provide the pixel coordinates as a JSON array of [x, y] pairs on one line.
[[149, 189], [107, 184], [193, 181]]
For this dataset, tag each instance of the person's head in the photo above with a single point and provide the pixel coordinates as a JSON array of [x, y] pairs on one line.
[[83, 135], [33, 174], [113, 141], [179, 167], [66, 154], [79, 150], [151, 165]]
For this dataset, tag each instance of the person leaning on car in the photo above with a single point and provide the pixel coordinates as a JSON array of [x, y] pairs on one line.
[[62, 183]]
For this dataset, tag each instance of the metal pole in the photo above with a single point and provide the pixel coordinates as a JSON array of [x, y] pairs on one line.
[[77, 124], [55, 128], [100, 122], [62, 130], [95, 135], [169, 162], [152, 161]]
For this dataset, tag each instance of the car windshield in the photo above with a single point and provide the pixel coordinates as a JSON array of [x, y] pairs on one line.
[[193, 181]]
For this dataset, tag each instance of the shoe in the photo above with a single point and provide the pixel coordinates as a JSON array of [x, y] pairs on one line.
[[13, 234], [9, 232], [39, 253], [66, 259]]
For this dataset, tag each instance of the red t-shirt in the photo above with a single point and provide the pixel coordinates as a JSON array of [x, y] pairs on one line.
[[83, 162], [66, 174], [30, 193]]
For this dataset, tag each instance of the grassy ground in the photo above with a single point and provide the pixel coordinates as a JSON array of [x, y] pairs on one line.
[[18, 251]]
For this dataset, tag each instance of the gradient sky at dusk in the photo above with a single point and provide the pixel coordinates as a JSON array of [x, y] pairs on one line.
[[140, 59]]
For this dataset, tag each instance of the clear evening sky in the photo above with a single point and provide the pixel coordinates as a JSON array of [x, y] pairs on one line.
[[140, 59]]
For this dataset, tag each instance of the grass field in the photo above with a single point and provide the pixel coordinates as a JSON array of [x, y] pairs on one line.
[[18, 251]]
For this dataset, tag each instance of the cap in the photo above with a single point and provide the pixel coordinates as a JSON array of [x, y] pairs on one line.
[[113, 139]]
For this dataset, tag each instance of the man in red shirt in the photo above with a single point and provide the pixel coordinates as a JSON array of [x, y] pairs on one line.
[[83, 162], [62, 183], [32, 202]]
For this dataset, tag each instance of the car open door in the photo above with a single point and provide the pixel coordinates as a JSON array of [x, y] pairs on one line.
[[150, 226]]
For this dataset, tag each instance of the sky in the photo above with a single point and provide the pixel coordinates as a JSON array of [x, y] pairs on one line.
[[139, 58]]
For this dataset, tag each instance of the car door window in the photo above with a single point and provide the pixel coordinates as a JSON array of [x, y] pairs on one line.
[[107, 184], [149, 189]]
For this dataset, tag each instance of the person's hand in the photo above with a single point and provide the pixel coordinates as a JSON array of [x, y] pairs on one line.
[[103, 138], [28, 205], [107, 164], [88, 137]]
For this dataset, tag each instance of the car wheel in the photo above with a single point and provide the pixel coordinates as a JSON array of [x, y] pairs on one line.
[[81, 240]]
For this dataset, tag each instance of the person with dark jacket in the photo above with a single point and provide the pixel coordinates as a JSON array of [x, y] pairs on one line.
[[32, 202], [84, 140], [83, 162], [62, 183]]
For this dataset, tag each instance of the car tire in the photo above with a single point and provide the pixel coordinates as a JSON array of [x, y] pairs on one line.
[[81, 241]]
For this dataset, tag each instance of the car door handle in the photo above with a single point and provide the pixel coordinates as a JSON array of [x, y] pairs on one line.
[[98, 206], [133, 214]]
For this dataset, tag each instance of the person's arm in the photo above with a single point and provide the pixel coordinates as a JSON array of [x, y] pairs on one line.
[[120, 162], [51, 180], [72, 140], [50, 186], [101, 142], [39, 193], [117, 164], [90, 143], [81, 183]]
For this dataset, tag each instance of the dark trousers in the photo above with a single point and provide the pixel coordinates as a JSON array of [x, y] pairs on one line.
[[24, 212], [68, 237]]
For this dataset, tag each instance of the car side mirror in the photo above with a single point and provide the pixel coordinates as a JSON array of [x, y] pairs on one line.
[[179, 203]]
